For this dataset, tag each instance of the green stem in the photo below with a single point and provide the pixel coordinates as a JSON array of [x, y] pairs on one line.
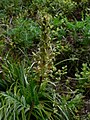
[[72, 59]]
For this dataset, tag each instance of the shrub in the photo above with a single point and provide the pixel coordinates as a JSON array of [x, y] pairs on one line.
[[24, 33]]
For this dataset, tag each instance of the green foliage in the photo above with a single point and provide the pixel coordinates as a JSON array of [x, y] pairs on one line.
[[24, 33], [10, 7], [83, 77], [43, 43], [77, 31], [23, 101]]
